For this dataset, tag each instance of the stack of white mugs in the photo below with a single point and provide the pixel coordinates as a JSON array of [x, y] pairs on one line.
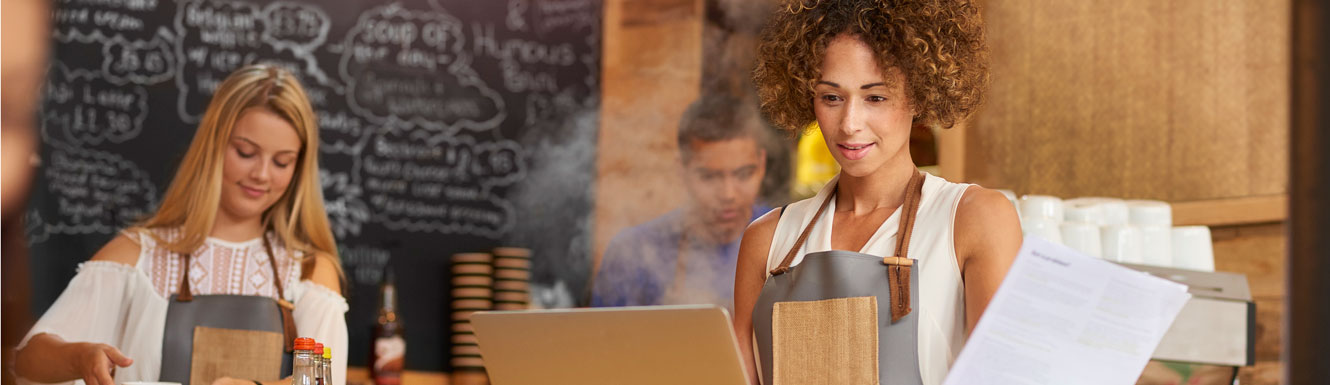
[[1127, 231]]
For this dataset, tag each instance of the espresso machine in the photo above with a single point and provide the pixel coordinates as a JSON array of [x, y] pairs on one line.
[[1213, 334]]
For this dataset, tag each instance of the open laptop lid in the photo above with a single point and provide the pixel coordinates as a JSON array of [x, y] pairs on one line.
[[685, 344]]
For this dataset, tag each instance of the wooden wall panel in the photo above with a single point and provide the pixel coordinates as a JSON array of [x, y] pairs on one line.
[[1269, 99], [652, 56], [1178, 101], [1144, 117]]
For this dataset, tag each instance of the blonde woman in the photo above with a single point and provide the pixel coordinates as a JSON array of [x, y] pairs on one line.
[[241, 241]]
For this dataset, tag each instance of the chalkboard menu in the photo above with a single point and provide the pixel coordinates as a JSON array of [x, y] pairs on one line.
[[446, 126]]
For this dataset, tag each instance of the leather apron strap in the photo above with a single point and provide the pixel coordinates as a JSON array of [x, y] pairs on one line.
[[899, 264], [288, 320]]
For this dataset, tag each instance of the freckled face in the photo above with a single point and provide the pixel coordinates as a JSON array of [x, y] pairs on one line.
[[864, 114]]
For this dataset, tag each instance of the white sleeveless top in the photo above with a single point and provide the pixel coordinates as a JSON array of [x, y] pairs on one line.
[[941, 307]]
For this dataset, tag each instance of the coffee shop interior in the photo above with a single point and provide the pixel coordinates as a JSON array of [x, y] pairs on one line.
[[1181, 138]]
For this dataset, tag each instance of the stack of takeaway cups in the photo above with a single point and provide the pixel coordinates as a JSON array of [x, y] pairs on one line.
[[512, 278], [1155, 221], [472, 292], [1041, 216]]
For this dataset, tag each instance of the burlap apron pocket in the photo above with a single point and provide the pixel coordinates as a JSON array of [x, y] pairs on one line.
[[832, 341], [245, 354]]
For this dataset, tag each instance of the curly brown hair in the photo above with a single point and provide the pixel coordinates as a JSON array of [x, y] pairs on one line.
[[937, 44]]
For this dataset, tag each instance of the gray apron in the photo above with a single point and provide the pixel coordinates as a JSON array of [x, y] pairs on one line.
[[877, 282], [238, 312]]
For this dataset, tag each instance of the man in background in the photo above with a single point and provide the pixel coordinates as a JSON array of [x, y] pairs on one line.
[[688, 255]]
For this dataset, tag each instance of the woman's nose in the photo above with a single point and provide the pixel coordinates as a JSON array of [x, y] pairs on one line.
[[260, 171], [851, 119]]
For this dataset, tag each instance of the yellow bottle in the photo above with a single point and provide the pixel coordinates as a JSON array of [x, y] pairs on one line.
[[814, 166], [327, 365]]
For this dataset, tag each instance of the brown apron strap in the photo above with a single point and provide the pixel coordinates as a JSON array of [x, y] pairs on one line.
[[288, 320], [789, 257], [184, 294], [898, 266]]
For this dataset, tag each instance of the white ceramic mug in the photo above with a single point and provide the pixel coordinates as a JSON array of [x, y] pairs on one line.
[[1121, 243], [1116, 212], [1098, 210], [1157, 245], [1082, 211], [1150, 213], [1041, 206], [1042, 227], [1193, 248], [1083, 237]]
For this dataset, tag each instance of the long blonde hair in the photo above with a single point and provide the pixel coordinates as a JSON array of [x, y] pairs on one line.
[[298, 218]]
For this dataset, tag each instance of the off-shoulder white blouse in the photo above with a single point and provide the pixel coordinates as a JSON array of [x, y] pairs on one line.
[[125, 306]]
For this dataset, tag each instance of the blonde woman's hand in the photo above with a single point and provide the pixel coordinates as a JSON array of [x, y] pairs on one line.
[[96, 363]]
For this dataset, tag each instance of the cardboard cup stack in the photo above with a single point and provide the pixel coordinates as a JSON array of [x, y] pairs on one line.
[[484, 281], [512, 278], [472, 292]]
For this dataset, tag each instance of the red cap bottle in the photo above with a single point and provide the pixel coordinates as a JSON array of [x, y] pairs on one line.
[[303, 363], [304, 343]]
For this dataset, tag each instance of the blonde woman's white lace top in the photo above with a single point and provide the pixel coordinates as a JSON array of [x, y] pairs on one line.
[[125, 306]]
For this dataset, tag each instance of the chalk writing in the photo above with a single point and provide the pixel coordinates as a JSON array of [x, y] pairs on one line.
[[364, 264], [95, 191], [81, 109], [138, 62], [441, 185], [295, 26], [430, 82]]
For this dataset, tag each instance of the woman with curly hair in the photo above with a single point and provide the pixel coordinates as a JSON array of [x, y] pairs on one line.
[[880, 276]]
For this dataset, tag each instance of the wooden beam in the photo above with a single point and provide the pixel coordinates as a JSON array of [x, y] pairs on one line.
[[1232, 211], [1306, 338]]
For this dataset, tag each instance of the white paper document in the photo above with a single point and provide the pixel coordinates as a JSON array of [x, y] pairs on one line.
[[1062, 317]]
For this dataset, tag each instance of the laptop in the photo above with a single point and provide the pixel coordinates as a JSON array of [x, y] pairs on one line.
[[678, 344]]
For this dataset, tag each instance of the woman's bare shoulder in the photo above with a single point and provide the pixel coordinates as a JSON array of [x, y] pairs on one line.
[[986, 224], [325, 272], [757, 237], [121, 249]]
